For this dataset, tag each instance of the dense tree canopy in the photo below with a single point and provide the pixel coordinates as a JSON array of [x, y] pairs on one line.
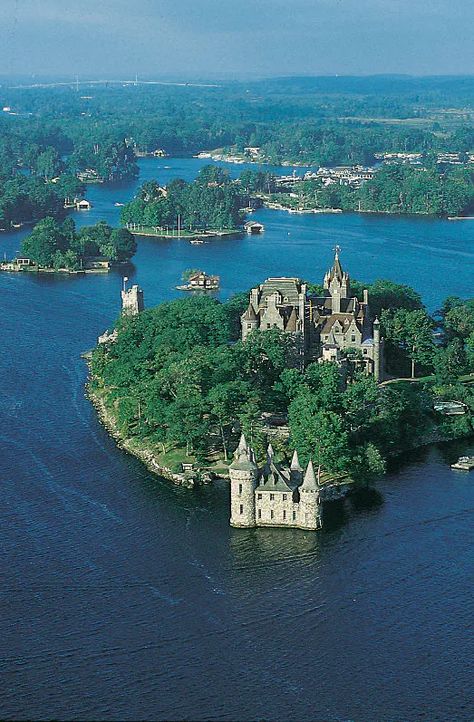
[[58, 245], [211, 201], [175, 376]]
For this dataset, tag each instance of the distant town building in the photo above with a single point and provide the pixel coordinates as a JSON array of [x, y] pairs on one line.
[[332, 327], [278, 495]]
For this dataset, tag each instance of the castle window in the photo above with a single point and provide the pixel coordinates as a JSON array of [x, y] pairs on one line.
[[284, 497], [259, 513], [240, 488], [284, 514], [271, 514], [272, 496], [259, 496], [353, 338], [269, 325], [294, 516], [249, 325], [241, 508], [365, 351]]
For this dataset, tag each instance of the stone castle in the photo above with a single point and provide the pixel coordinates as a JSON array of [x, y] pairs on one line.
[[327, 328], [277, 495]]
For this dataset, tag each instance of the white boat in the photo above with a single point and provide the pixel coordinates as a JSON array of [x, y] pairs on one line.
[[119, 204], [464, 463]]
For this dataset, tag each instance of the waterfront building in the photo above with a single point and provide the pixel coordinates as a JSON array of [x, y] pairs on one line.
[[332, 327], [202, 281], [278, 495]]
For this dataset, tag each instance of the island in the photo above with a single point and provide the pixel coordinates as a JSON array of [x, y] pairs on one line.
[[196, 280], [209, 206], [58, 247], [180, 383]]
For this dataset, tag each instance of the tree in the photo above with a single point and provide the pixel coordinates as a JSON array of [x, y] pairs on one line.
[[186, 421], [450, 362], [224, 401], [318, 435], [124, 243], [43, 242], [412, 331]]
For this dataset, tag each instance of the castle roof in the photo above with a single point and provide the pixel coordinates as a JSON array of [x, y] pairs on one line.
[[344, 319], [336, 271], [249, 314], [291, 324], [273, 479], [244, 457], [288, 288], [295, 463], [310, 483]]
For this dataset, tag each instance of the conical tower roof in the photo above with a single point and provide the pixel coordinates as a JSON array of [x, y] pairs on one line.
[[250, 314], [244, 457], [310, 483], [295, 462], [336, 270]]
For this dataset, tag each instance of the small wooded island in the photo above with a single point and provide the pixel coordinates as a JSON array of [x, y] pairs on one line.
[[177, 384], [55, 246]]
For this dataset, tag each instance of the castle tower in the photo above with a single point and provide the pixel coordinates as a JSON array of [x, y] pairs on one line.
[[295, 469], [249, 321], [132, 300], [378, 361], [337, 282], [243, 476], [310, 515]]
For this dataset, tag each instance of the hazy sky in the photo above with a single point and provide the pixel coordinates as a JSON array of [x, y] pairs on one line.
[[185, 38]]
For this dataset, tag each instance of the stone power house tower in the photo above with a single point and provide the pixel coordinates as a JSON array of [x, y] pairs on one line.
[[278, 495]]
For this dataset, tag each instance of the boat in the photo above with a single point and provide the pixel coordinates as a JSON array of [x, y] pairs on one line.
[[464, 463], [119, 204], [196, 241]]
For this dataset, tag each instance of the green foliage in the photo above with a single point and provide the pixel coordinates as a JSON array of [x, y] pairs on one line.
[[109, 160], [55, 245], [173, 377], [211, 201], [411, 332]]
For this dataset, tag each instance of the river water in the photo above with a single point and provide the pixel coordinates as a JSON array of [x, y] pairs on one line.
[[124, 597]]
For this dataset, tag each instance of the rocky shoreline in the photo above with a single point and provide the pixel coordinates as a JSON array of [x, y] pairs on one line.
[[148, 456], [145, 454]]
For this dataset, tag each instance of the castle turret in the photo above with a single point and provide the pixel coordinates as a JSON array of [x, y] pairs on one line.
[[249, 321], [310, 516], [378, 361], [295, 469], [132, 300], [337, 282], [243, 475]]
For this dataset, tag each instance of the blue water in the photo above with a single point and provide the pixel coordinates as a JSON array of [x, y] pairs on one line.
[[124, 597]]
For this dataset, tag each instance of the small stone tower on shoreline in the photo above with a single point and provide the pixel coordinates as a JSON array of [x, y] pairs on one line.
[[243, 478], [132, 300]]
